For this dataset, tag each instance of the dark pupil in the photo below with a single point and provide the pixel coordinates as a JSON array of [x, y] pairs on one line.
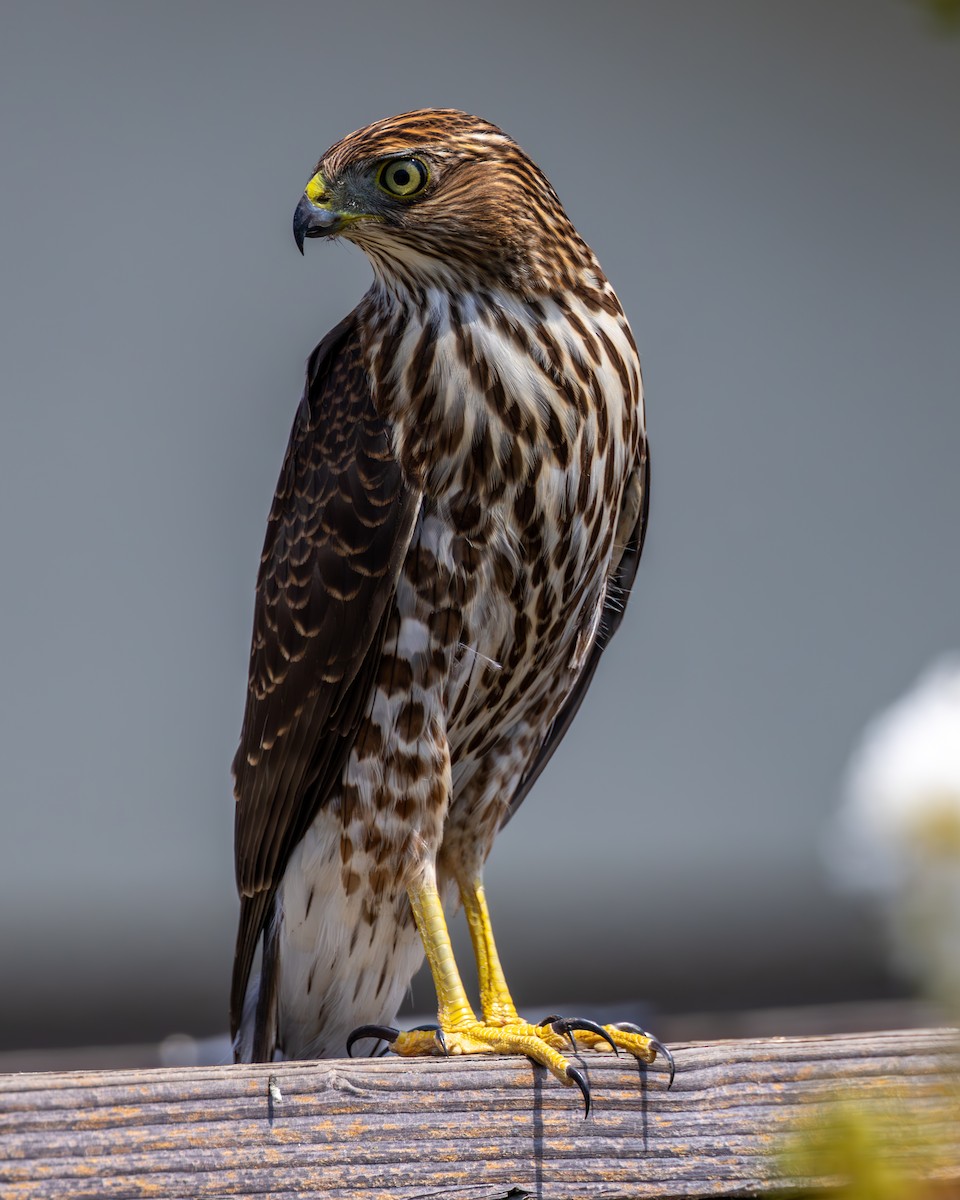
[[401, 177]]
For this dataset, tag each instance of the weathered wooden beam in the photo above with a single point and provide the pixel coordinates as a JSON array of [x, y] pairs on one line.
[[485, 1128]]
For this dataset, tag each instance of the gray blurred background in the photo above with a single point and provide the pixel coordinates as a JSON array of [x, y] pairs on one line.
[[774, 191]]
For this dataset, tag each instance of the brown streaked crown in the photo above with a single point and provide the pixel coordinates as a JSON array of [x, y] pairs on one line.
[[488, 214]]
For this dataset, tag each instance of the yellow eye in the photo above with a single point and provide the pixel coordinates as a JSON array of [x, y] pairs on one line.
[[404, 177]]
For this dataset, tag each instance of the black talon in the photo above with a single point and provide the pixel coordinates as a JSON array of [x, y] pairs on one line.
[[384, 1033], [438, 1034], [658, 1046], [553, 1022], [568, 1025], [661, 1049], [578, 1079]]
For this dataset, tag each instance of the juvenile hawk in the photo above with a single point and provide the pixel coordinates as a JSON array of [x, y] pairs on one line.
[[454, 536]]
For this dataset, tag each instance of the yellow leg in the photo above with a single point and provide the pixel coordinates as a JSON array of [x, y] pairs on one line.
[[497, 1004], [501, 1031], [453, 1007], [460, 1031]]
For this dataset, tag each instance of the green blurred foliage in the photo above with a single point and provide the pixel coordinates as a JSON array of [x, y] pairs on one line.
[[872, 1147], [947, 12]]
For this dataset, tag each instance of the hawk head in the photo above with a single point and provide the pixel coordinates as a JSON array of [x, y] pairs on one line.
[[440, 197]]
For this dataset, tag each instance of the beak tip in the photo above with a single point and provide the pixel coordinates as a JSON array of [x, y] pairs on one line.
[[312, 221]]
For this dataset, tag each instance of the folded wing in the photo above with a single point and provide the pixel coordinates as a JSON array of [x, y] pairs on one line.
[[338, 530]]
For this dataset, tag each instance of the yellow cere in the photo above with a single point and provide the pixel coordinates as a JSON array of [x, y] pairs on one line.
[[316, 191]]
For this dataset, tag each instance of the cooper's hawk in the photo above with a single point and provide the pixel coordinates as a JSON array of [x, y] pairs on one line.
[[453, 539]]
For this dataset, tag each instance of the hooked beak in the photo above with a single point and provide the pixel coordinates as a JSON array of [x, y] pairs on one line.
[[310, 221]]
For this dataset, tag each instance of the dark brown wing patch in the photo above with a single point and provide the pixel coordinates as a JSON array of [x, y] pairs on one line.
[[338, 530]]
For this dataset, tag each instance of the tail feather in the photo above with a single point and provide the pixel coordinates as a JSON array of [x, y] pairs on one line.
[[254, 916]]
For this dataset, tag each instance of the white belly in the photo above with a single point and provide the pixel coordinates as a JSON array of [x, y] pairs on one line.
[[337, 970]]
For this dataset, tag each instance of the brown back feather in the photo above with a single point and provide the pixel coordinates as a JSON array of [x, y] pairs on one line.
[[338, 530]]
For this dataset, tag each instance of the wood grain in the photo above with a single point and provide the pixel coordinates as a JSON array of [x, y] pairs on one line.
[[485, 1128]]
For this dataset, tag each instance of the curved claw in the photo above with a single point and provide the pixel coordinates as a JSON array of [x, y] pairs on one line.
[[569, 1025], [383, 1033], [553, 1021], [659, 1047], [629, 1027], [437, 1033], [580, 1081]]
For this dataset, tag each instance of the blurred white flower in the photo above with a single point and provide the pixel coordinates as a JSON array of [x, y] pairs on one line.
[[897, 835]]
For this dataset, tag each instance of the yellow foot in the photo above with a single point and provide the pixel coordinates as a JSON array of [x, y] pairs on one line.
[[542, 1043], [474, 1037], [623, 1036]]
